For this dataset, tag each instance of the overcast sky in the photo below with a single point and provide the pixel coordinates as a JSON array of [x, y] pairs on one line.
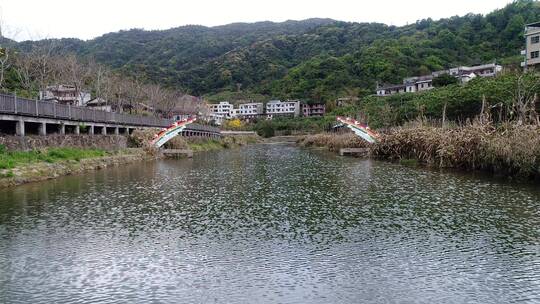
[[38, 19]]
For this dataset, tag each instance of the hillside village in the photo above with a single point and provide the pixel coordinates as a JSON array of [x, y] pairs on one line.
[[179, 106]]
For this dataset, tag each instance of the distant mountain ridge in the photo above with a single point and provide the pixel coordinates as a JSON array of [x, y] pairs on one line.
[[313, 59]]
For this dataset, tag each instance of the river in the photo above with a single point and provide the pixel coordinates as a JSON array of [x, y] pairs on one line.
[[270, 224]]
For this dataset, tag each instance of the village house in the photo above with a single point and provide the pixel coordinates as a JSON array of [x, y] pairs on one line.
[[282, 108], [65, 94], [99, 104], [532, 46], [223, 108], [312, 110], [250, 110], [464, 74]]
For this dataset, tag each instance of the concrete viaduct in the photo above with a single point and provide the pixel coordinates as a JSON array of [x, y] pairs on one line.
[[20, 116]]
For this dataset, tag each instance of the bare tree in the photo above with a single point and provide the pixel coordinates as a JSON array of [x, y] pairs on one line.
[[42, 67], [23, 64], [5, 64], [524, 99]]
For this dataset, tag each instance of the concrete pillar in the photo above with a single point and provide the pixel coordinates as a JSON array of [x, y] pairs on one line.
[[116, 131], [77, 130], [91, 129], [19, 127], [126, 131], [42, 129], [62, 129], [104, 130]]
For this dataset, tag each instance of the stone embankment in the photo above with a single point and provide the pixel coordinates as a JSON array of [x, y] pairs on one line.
[[25, 143]]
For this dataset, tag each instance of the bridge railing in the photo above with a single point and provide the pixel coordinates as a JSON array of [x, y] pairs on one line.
[[10, 104], [202, 128]]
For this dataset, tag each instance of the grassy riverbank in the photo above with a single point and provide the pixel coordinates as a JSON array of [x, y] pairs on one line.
[[508, 150], [32, 166], [12, 159], [20, 167]]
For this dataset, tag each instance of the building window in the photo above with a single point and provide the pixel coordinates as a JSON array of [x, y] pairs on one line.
[[535, 39], [535, 54]]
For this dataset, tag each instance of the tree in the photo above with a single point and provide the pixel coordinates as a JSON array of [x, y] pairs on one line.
[[5, 63], [444, 80]]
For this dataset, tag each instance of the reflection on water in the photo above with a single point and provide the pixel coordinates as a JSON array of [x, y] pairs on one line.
[[270, 223]]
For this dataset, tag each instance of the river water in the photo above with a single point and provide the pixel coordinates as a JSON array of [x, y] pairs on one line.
[[270, 224]]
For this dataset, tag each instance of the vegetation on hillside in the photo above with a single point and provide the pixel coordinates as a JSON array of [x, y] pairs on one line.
[[25, 74], [511, 96], [316, 59]]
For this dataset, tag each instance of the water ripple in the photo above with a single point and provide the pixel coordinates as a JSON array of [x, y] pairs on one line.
[[267, 224]]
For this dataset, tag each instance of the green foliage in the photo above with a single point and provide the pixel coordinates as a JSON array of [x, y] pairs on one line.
[[265, 129], [316, 59], [12, 159], [444, 80], [290, 125], [462, 101], [233, 96]]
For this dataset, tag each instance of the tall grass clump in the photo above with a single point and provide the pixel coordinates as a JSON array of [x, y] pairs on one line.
[[508, 149], [334, 142]]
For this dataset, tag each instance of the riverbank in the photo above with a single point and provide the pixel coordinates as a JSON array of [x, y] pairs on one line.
[[34, 166], [508, 150], [141, 138]]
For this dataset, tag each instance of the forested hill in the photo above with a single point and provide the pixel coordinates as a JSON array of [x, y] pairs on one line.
[[315, 59]]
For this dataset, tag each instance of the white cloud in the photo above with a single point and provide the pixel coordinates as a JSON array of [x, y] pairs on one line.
[[26, 19]]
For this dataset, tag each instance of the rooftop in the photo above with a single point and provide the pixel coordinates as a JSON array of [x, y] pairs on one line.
[[535, 24], [391, 86]]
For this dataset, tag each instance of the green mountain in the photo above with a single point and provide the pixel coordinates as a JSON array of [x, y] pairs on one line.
[[314, 59]]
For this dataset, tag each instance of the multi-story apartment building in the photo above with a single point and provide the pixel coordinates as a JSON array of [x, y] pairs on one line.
[[532, 46], [250, 110], [65, 94], [316, 109], [223, 108], [423, 83], [283, 108]]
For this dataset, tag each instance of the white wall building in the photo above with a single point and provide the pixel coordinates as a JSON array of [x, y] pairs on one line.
[[283, 108], [223, 108], [250, 110]]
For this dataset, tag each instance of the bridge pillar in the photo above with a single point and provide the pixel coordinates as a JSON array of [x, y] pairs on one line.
[[62, 129], [91, 129], [116, 131], [77, 130], [42, 129], [19, 128], [126, 131], [104, 130]]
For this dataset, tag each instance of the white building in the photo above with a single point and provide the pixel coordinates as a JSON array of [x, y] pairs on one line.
[[250, 110], [283, 108], [532, 46], [223, 108]]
